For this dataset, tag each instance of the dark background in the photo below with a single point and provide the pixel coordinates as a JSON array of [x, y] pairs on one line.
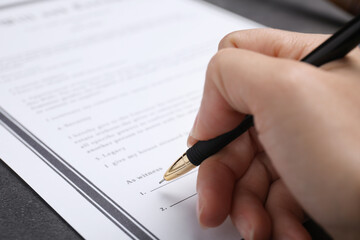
[[24, 215]]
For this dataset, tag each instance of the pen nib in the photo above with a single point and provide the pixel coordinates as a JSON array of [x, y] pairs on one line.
[[161, 181]]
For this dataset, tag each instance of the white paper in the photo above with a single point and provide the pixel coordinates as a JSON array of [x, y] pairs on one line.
[[97, 98]]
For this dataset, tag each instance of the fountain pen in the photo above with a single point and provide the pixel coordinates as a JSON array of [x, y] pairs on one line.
[[335, 47]]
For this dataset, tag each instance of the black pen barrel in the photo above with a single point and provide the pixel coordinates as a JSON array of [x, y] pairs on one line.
[[337, 46], [204, 149]]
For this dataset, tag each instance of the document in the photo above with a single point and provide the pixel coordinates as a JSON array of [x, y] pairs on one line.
[[97, 98]]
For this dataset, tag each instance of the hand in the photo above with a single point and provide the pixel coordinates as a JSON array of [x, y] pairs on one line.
[[303, 155]]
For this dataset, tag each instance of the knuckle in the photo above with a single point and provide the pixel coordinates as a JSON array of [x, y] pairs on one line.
[[233, 39], [228, 40], [292, 74], [297, 78], [218, 60], [218, 65]]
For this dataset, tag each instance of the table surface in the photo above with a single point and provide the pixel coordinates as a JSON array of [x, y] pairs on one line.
[[24, 215]]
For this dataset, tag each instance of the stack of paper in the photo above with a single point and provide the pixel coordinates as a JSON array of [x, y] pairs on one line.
[[96, 100]]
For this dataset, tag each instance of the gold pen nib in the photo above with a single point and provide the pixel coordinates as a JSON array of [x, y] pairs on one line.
[[180, 167]]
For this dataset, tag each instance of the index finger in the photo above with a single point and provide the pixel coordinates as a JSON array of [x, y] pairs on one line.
[[273, 42], [225, 81]]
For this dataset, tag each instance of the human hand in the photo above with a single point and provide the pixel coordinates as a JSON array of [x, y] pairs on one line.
[[303, 154]]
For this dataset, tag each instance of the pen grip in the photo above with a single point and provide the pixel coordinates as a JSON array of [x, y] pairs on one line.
[[204, 149]]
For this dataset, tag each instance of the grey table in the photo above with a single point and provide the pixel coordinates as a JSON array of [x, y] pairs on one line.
[[24, 215]]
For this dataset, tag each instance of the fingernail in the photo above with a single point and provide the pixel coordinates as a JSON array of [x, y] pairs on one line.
[[199, 209], [191, 139], [245, 229]]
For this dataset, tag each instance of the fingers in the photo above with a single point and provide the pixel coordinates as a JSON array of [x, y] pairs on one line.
[[214, 188], [234, 85], [286, 214], [216, 178], [299, 117], [227, 71], [275, 43], [248, 213]]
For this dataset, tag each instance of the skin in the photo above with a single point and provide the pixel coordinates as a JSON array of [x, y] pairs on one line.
[[301, 159]]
